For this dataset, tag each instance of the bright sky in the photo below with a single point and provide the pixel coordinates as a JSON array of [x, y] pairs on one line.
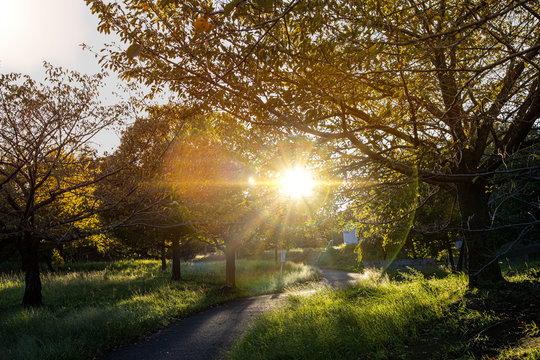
[[33, 31], [36, 30]]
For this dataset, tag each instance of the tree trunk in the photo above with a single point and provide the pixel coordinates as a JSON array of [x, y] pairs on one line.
[[230, 267], [163, 256], [275, 254], [176, 274], [483, 264], [450, 253], [28, 248], [48, 261], [461, 259]]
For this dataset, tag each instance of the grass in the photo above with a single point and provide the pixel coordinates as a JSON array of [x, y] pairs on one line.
[[409, 317], [94, 307], [340, 257]]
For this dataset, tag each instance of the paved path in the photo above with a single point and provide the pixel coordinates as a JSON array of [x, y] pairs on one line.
[[206, 335], [337, 278]]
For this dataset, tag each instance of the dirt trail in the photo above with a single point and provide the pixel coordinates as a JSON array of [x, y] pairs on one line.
[[208, 334]]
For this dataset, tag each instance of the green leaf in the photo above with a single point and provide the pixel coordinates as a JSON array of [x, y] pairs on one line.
[[165, 3]]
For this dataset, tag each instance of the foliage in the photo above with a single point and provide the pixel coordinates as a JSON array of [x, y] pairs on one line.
[[147, 211], [517, 200], [341, 257], [48, 169], [439, 91]]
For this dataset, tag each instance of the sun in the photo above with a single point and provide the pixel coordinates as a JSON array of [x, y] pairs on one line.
[[297, 183]]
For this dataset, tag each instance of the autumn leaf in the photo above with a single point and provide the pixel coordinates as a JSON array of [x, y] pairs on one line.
[[133, 51]]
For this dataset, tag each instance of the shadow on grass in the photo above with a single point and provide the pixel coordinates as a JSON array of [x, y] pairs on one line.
[[85, 331], [483, 324]]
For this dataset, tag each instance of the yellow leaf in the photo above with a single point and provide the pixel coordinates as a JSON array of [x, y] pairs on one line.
[[133, 51], [201, 25]]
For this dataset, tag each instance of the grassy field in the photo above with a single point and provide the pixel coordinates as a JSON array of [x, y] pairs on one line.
[[335, 257], [409, 317], [91, 307]]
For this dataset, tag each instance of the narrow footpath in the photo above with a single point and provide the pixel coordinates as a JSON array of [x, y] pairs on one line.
[[210, 333]]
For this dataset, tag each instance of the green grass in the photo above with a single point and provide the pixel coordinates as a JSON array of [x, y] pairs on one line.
[[93, 307], [410, 317], [335, 257], [340, 257]]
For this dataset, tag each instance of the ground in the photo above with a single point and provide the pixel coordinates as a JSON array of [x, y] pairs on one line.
[[209, 334]]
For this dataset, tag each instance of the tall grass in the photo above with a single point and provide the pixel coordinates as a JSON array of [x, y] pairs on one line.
[[96, 306], [407, 317], [363, 321], [254, 277]]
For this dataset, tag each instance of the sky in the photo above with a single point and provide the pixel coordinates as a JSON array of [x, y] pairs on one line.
[[33, 31]]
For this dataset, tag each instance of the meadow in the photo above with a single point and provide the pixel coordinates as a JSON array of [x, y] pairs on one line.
[[340, 257], [408, 316], [94, 307]]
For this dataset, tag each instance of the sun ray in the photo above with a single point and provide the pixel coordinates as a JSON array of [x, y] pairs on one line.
[[297, 183]]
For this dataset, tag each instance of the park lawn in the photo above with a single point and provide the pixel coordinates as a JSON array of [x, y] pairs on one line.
[[94, 307], [341, 257], [408, 317]]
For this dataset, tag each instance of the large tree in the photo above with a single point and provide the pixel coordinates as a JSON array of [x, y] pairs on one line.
[[439, 90], [48, 168]]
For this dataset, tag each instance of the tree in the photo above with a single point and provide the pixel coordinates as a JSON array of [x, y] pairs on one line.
[[440, 91], [150, 217], [408, 220], [48, 169], [211, 179]]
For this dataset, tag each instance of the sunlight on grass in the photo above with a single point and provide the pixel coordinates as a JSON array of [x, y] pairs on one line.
[[368, 317], [96, 306], [407, 316]]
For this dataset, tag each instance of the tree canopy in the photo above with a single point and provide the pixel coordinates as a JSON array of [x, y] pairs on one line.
[[443, 91]]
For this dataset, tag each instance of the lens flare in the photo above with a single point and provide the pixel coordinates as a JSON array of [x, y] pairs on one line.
[[297, 183]]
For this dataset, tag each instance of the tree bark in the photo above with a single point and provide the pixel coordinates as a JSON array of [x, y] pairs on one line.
[[163, 256], [176, 274], [28, 248], [462, 256], [450, 253], [230, 267], [483, 265]]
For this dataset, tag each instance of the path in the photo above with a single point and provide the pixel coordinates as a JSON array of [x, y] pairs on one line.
[[207, 334], [337, 278]]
